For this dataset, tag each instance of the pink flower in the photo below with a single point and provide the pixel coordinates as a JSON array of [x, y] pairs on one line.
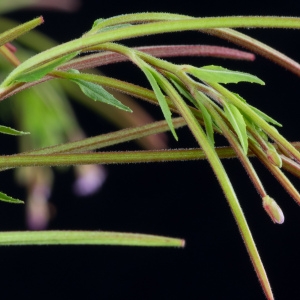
[[90, 178]]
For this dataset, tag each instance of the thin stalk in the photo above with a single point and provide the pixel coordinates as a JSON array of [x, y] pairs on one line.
[[120, 157], [270, 130], [63, 237], [278, 174], [236, 147], [224, 182], [256, 46], [11, 34], [109, 139], [124, 87], [148, 29], [105, 58]]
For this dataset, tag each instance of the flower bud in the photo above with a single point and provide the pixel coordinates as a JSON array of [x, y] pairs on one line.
[[273, 210]]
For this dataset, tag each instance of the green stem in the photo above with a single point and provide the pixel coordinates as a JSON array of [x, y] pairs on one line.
[[148, 29], [15, 32], [109, 139], [120, 157], [236, 146], [51, 237], [256, 46], [278, 174], [225, 183], [270, 130]]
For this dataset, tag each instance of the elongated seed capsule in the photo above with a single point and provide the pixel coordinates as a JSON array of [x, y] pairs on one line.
[[273, 210]]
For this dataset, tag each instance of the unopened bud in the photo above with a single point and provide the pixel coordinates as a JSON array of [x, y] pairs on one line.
[[273, 210], [273, 156]]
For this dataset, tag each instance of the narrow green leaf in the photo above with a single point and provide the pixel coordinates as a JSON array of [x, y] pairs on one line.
[[265, 116], [182, 90], [237, 121], [205, 114], [151, 75], [207, 121], [11, 131], [221, 75], [23, 238], [98, 93], [6, 198], [40, 72]]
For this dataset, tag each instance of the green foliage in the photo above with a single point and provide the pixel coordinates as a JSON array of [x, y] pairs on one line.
[[153, 78], [5, 198], [221, 75], [98, 93], [237, 121], [211, 106], [40, 71]]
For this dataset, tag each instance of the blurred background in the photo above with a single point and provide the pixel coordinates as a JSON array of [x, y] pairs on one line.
[[179, 199]]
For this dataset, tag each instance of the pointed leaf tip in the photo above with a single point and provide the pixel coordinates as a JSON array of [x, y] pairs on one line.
[[221, 75], [154, 79], [6, 198], [11, 131], [97, 92]]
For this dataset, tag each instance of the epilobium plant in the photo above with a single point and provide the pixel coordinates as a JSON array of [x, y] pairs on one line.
[[198, 94]]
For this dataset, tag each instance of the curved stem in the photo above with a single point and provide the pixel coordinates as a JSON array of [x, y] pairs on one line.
[[225, 184], [185, 24]]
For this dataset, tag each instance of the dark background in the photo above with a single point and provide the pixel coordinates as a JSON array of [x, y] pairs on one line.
[[174, 199]]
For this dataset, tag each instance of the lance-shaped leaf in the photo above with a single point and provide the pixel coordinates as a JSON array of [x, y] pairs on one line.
[[41, 71], [23, 238], [207, 120], [96, 91], [221, 75], [153, 78], [11, 131], [6, 198], [237, 121], [205, 114], [265, 116]]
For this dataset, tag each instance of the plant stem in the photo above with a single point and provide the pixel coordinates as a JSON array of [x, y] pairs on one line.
[[148, 29], [224, 182], [51, 237]]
